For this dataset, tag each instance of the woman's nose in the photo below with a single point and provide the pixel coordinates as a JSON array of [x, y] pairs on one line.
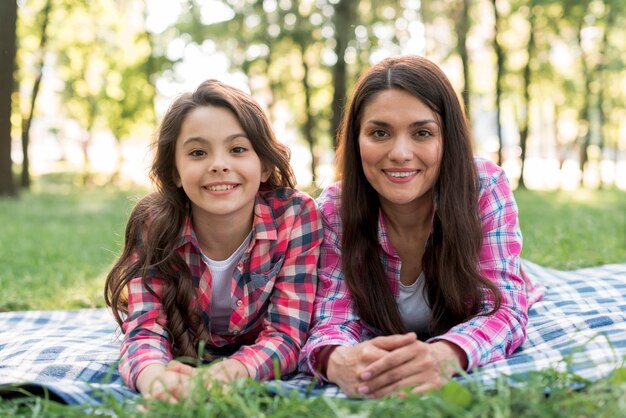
[[401, 149]]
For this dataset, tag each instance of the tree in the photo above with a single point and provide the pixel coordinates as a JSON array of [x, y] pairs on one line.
[[344, 18], [8, 11], [327, 51], [105, 68], [500, 70], [27, 117]]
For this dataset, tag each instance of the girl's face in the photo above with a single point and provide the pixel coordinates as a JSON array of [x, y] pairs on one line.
[[217, 167], [400, 141]]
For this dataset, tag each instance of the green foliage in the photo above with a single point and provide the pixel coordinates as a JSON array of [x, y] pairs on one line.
[[541, 394]]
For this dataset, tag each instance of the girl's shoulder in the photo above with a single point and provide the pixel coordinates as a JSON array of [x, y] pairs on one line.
[[285, 199]]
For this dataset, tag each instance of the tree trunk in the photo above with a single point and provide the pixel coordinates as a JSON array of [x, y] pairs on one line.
[[499, 77], [345, 15], [603, 127], [28, 119], [310, 120], [525, 121], [8, 22], [584, 122], [462, 29]]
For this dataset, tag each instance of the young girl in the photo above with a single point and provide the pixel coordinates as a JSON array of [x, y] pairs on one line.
[[223, 253]]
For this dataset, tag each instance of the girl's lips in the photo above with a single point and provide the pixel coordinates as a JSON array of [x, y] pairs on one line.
[[220, 188]]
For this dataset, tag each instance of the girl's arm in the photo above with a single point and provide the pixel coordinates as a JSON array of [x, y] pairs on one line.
[[145, 338], [291, 301]]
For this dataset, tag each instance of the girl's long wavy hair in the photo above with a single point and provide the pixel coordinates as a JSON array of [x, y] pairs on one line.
[[157, 220], [454, 286]]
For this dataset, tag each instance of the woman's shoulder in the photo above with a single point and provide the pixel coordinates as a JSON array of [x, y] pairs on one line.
[[494, 187], [489, 173], [329, 200], [487, 168]]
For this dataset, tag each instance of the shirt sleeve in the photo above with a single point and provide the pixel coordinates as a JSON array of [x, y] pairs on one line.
[[334, 321], [291, 303], [145, 338], [487, 338]]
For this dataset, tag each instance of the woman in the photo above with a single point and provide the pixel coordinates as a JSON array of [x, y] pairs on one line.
[[421, 239]]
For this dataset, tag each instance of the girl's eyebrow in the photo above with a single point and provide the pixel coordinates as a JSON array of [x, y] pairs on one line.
[[204, 141]]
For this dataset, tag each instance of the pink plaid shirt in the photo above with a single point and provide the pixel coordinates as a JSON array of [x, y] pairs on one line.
[[272, 299], [483, 338]]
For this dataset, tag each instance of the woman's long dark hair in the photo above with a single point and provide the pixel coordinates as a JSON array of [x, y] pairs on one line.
[[454, 286], [157, 220]]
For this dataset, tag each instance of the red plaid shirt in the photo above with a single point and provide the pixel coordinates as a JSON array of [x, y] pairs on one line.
[[272, 300]]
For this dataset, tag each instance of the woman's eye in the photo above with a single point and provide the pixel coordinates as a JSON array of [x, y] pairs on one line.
[[424, 133], [378, 133], [238, 150]]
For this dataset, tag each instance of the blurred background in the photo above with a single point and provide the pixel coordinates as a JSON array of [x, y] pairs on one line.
[[543, 81]]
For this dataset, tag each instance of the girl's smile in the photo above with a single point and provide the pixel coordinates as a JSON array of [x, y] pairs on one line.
[[217, 166]]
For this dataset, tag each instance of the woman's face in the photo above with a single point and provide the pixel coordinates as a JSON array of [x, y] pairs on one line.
[[401, 144]]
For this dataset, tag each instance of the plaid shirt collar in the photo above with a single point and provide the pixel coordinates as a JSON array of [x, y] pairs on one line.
[[263, 224]]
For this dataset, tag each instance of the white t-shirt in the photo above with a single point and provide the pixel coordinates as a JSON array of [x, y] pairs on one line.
[[221, 292], [413, 307]]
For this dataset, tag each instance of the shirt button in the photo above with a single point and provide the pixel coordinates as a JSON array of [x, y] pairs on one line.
[[239, 303], [240, 265]]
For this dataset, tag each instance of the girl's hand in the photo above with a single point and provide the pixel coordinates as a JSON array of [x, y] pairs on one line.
[[346, 364], [225, 371], [420, 365], [169, 383]]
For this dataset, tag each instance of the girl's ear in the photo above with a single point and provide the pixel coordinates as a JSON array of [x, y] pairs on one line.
[[177, 180], [266, 172]]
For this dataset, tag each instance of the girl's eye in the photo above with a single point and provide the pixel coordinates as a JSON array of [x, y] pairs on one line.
[[238, 150], [197, 153], [423, 133]]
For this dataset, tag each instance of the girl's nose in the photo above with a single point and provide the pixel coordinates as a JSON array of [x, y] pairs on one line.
[[219, 164]]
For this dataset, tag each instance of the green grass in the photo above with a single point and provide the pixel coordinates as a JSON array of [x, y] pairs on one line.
[[569, 230], [56, 247]]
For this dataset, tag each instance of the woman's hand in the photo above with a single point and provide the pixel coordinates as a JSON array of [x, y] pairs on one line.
[[346, 364], [422, 366], [168, 383]]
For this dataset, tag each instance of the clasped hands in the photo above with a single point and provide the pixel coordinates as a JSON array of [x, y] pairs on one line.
[[383, 365], [174, 381]]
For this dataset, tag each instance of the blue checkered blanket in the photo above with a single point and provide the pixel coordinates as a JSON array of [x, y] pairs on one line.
[[71, 356]]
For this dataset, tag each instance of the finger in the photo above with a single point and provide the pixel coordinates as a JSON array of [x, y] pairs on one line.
[[426, 387], [392, 342], [420, 383], [370, 353], [178, 367], [391, 360], [163, 395], [415, 366]]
